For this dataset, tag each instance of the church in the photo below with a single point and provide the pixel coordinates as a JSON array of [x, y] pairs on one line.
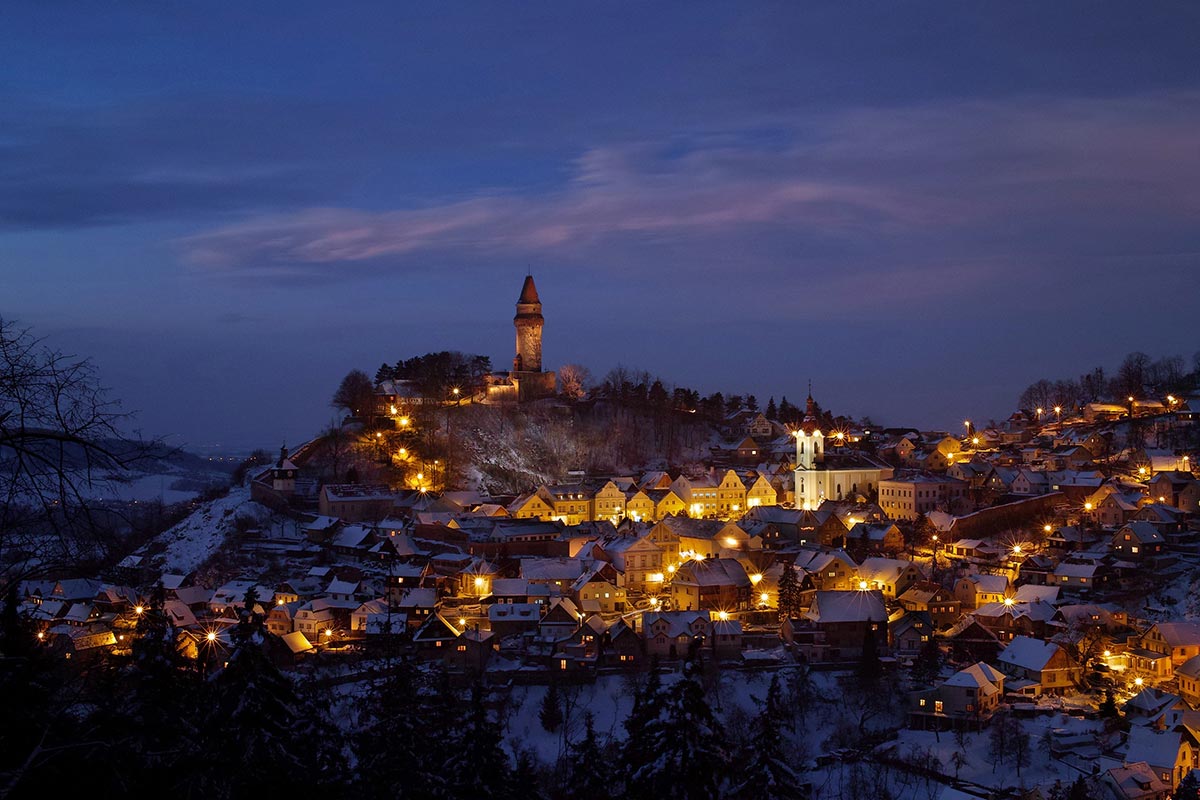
[[836, 475], [527, 381]]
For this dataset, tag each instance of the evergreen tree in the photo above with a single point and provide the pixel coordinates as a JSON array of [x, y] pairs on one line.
[[772, 410], [259, 738], [551, 715], [161, 712], [751, 402], [478, 766], [396, 741], [384, 373], [647, 704], [1108, 708], [526, 780], [870, 668], [1079, 790], [928, 662], [789, 593], [767, 774], [1188, 788], [801, 689], [685, 757], [587, 772]]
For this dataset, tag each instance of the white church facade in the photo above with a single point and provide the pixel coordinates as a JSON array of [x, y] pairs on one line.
[[822, 476]]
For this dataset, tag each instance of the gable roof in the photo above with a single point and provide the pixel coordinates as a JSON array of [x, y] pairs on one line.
[[1028, 653]]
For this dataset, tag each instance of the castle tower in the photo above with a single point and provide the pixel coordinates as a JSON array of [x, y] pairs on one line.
[[283, 474], [528, 322]]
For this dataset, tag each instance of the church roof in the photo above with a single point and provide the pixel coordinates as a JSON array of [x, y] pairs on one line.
[[529, 291]]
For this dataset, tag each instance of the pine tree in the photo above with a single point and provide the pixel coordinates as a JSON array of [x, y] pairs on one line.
[[396, 743], [772, 410], [550, 714], [789, 593], [1079, 790], [928, 662], [259, 737], [478, 766], [647, 705], [162, 708], [1108, 708], [587, 772], [686, 757], [1188, 788], [870, 668], [767, 775]]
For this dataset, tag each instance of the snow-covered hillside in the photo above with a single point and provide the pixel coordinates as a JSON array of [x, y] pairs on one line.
[[193, 541]]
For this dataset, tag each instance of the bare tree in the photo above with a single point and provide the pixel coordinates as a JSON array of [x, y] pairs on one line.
[[574, 379], [61, 446]]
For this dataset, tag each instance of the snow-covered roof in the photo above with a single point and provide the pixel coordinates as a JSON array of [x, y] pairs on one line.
[[1028, 653], [977, 676], [850, 606], [1158, 749]]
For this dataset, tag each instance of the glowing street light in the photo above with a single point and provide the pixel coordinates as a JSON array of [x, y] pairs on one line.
[[862, 585], [1008, 601], [211, 636], [139, 609], [1016, 549]]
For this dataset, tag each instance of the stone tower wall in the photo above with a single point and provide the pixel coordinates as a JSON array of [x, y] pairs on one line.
[[529, 343]]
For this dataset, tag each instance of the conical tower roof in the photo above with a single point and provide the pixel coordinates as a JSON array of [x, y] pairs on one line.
[[529, 292]]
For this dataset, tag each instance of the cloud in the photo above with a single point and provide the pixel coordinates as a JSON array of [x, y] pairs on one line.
[[1011, 176]]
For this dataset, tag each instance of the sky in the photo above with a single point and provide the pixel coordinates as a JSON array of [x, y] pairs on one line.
[[920, 207]]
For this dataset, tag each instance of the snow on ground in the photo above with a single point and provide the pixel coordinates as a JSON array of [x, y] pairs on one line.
[[193, 541]]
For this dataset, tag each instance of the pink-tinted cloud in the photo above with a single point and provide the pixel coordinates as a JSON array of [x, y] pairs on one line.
[[948, 169]]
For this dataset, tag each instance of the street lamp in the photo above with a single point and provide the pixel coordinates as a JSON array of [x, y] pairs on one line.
[[1057, 413]]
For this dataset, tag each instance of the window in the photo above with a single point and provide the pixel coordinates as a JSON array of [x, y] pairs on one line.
[[562, 664], [462, 648], [937, 706]]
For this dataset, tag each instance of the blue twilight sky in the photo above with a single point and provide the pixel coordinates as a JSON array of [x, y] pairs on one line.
[[922, 207]]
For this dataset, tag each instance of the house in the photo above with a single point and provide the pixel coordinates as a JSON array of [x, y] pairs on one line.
[[1079, 576], [909, 632], [978, 589], [530, 506], [1179, 640], [891, 576], [352, 502], [1137, 781], [514, 619], [559, 620], [669, 634], [830, 571], [1188, 675], [1177, 488], [1169, 753], [596, 591], [869, 537], [712, 584], [943, 608], [911, 496], [470, 652], [1138, 541], [725, 640], [642, 562], [969, 696], [281, 619], [846, 619], [1039, 667], [434, 637]]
